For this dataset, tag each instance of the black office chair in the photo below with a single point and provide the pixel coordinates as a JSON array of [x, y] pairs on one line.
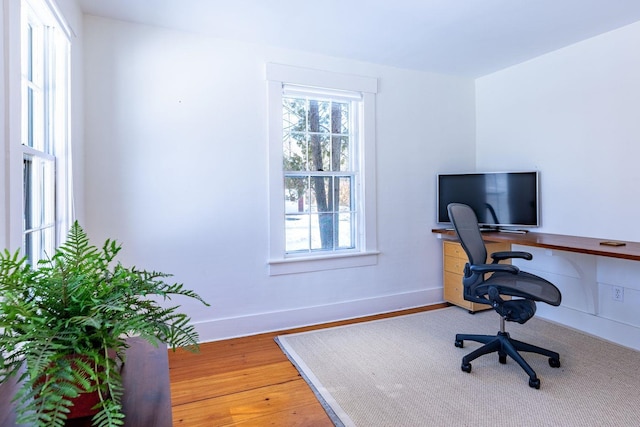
[[506, 280]]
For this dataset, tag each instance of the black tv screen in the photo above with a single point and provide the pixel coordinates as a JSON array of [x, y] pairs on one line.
[[498, 198]]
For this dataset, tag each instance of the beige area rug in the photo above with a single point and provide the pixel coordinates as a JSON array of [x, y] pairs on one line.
[[405, 371]]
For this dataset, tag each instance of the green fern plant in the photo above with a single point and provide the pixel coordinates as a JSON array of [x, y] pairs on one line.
[[80, 302]]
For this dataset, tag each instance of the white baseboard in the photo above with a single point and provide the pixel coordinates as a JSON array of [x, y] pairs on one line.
[[233, 327], [610, 330]]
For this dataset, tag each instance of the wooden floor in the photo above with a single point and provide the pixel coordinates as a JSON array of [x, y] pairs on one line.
[[247, 382]]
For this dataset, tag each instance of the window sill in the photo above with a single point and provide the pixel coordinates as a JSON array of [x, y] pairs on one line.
[[320, 263]]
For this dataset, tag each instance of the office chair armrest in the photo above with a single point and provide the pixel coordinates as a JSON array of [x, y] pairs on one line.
[[490, 268], [500, 256]]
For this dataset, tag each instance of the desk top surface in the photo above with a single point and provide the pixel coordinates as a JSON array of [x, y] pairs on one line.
[[585, 245]]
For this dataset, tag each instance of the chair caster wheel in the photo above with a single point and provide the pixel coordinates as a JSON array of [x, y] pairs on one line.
[[459, 343], [466, 367], [502, 358], [534, 383], [554, 363]]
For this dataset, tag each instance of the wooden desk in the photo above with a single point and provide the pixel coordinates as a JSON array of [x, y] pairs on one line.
[[584, 245], [587, 273], [147, 396]]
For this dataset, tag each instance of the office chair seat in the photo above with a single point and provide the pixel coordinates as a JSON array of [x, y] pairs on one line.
[[517, 310], [505, 280]]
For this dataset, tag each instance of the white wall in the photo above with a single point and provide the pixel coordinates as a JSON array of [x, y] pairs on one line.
[[176, 168], [572, 114]]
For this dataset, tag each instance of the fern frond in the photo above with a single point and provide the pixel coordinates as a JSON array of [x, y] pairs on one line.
[[80, 301], [110, 415]]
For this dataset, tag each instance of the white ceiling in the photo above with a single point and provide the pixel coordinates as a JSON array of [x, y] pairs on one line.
[[461, 37]]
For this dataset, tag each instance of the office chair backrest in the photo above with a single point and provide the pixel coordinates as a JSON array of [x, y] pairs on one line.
[[466, 224]]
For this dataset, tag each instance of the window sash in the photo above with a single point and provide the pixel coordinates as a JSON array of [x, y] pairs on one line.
[[44, 141], [309, 228], [39, 206], [321, 224]]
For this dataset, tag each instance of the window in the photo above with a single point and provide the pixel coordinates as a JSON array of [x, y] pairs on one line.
[[322, 177], [44, 137], [320, 171]]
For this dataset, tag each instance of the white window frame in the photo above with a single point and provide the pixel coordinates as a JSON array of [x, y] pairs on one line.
[[278, 76], [57, 118]]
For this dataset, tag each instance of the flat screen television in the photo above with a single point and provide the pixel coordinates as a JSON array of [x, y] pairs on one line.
[[499, 199]]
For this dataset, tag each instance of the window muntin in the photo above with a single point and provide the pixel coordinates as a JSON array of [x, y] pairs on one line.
[[320, 171]]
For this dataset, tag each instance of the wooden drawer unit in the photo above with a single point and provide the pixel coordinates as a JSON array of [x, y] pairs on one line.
[[454, 260]]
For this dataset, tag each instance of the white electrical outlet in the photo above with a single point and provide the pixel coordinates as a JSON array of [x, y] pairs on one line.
[[618, 293]]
